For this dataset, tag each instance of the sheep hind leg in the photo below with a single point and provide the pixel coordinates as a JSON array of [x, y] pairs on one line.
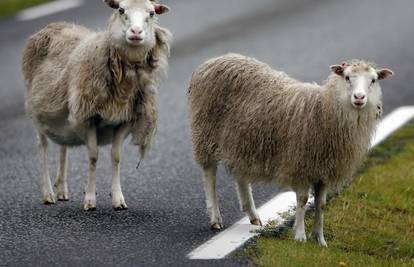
[[90, 192], [302, 195], [244, 191], [48, 195], [212, 202], [320, 203], [118, 201], [61, 183]]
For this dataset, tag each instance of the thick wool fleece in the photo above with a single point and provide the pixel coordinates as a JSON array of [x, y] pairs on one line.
[[80, 76], [265, 126]]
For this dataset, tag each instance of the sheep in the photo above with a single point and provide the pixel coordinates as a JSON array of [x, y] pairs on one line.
[[265, 126], [96, 88]]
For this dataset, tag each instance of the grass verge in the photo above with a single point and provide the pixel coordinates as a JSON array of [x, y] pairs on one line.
[[11, 7], [370, 224]]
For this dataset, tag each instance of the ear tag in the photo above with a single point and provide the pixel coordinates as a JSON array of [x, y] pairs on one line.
[[120, 70], [120, 74]]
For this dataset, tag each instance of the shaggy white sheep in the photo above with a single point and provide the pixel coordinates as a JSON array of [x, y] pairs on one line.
[[95, 88], [265, 126]]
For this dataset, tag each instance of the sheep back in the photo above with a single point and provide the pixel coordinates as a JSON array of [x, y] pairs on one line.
[[44, 57]]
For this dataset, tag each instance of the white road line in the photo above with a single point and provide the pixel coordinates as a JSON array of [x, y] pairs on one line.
[[232, 238], [225, 242], [392, 122], [47, 9]]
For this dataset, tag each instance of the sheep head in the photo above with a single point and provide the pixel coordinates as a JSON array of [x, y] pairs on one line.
[[360, 79], [133, 21]]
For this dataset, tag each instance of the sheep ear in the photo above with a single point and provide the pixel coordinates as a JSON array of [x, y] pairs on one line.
[[384, 73], [338, 69], [112, 3], [161, 9]]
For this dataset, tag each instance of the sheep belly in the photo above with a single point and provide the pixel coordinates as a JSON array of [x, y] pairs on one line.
[[62, 132]]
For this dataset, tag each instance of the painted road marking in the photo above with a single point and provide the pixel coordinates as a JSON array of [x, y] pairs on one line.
[[47, 9], [225, 242], [232, 238], [392, 122]]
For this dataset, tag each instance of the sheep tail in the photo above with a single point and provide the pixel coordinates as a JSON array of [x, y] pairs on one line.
[[142, 153], [144, 127]]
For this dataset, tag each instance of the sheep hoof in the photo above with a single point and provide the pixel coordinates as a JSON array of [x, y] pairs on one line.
[[118, 202], [216, 226], [323, 243], [63, 196], [62, 191], [89, 207], [300, 238], [89, 204], [122, 206], [257, 222], [319, 239], [49, 199]]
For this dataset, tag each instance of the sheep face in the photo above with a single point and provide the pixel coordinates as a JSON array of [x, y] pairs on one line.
[[361, 82], [133, 22]]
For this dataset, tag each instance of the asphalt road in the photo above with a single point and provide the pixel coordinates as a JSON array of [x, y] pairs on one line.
[[166, 216]]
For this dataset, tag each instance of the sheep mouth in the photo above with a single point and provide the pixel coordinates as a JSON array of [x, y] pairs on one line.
[[135, 39], [358, 104]]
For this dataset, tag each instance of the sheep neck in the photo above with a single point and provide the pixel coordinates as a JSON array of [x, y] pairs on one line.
[[128, 58], [124, 57]]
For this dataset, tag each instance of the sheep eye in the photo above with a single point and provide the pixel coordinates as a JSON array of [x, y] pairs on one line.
[[152, 14], [121, 11], [372, 81], [347, 78]]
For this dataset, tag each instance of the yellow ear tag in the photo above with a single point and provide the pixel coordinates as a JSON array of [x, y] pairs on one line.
[[120, 74]]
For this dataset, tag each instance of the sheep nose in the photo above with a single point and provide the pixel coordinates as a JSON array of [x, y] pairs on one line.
[[136, 30], [359, 96]]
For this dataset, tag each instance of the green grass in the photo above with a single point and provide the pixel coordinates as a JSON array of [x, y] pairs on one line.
[[370, 224], [11, 7]]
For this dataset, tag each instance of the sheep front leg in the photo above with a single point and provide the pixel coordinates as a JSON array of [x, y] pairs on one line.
[[48, 196], [61, 183], [320, 203], [302, 195], [244, 191], [118, 201], [90, 192], [209, 179]]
